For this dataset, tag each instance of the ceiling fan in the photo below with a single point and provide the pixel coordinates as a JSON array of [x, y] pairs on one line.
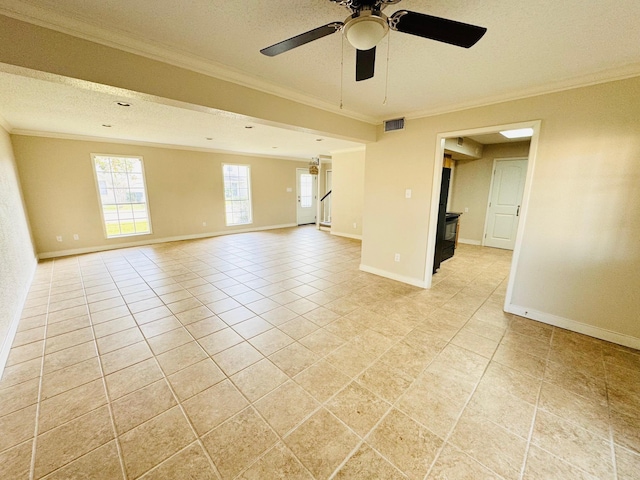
[[367, 25]]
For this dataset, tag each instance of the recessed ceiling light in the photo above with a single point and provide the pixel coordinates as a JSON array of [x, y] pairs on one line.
[[248, 126], [274, 147], [107, 125], [209, 138], [517, 133], [123, 104], [319, 139]]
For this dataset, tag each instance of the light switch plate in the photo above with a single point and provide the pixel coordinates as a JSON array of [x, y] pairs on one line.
[[407, 193]]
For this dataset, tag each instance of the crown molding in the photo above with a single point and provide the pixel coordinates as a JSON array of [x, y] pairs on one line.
[[79, 28], [89, 138], [605, 76]]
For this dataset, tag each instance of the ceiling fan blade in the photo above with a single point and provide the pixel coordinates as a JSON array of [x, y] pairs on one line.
[[365, 64], [436, 28], [302, 39]]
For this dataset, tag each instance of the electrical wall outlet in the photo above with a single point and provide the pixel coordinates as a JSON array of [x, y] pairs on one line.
[[396, 257], [466, 209], [59, 238], [204, 224], [76, 236], [407, 193], [355, 225]]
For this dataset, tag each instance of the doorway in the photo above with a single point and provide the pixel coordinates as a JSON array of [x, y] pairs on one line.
[[326, 215], [437, 179], [307, 189], [505, 202]]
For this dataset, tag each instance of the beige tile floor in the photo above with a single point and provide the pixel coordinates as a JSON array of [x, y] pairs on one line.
[[270, 355]]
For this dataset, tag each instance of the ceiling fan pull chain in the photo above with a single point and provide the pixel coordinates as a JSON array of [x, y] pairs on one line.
[[386, 81]]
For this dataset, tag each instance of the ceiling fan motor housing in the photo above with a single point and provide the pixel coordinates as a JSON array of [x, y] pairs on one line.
[[366, 28]]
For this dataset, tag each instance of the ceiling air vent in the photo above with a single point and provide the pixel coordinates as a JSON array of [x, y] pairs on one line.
[[395, 124], [460, 141]]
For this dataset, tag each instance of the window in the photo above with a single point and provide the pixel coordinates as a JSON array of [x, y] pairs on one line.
[[122, 192], [306, 190], [237, 194]]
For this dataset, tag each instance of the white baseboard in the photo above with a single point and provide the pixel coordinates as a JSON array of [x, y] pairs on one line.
[[466, 241], [393, 276], [346, 235], [102, 248], [575, 326], [5, 348]]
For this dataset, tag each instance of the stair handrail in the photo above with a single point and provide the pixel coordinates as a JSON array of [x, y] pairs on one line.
[[325, 195]]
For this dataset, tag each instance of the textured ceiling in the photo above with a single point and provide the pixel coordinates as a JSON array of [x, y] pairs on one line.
[[35, 105], [532, 46]]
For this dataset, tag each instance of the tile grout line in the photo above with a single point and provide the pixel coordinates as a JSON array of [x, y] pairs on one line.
[[32, 465], [468, 401], [322, 406], [614, 456], [104, 380], [537, 406], [251, 405], [569, 421], [477, 383], [178, 401], [267, 452], [395, 403], [173, 393]]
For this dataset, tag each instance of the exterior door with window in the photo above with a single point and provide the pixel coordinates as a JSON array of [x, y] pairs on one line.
[[505, 200], [307, 189]]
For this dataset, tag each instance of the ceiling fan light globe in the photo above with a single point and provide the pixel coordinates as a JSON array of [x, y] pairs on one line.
[[365, 32]]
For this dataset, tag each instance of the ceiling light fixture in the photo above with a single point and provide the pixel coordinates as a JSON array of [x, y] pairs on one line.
[[366, 30], [319, 139], [123, 104], [517, 133], [107, 125], [248, 126], [209, 138]]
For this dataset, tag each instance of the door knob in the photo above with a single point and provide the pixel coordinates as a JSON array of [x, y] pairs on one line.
[[518, 212]]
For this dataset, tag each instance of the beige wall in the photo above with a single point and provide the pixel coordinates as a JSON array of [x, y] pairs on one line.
[[348, 192], [580, 253], [471, 185], [17, 257], [184, 190]]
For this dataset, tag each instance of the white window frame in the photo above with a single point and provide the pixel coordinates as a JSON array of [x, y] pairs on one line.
[[250, 196], [101, 205]]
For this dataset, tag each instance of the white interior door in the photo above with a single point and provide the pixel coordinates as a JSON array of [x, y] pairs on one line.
[[505, 199], [327, 201], [307, 186]]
